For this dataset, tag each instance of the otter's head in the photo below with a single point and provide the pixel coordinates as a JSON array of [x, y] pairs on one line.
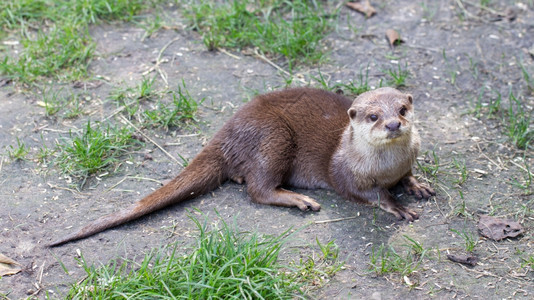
[[382, 116]]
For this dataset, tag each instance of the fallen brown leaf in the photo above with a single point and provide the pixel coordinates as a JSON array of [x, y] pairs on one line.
[[8, 266], [363, 7], [393, 37], [463, 259], [498, 229]]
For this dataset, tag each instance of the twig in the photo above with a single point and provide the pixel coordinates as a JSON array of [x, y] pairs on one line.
[[159, 61], [53, 186], [228, 53], [41, 273], [265, 59], [146, 178], [489, 159], [151, 140], [335, 220], [518, 165], [132, 177], [422, 48], [482, 7], [38, 284], [461, 5]]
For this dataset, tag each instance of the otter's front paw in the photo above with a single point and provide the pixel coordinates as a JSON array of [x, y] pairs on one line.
[[399, 211], [419, 190]]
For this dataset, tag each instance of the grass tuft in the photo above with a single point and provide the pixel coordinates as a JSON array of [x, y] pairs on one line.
[[183, 108], [223, 264], [292, 29], [63, 52], [93, 150], [54, 35], [470, 240], [18, 152], [385, 259], [398, 76], [518, 123]]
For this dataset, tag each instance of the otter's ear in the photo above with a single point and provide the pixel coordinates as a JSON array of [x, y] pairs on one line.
[[352, 113], [410, 98]]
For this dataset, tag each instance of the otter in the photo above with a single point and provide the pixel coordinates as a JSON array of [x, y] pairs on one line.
[[304, 138]]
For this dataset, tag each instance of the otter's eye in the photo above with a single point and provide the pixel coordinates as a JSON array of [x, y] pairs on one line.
[[402, 112], [373, 118]]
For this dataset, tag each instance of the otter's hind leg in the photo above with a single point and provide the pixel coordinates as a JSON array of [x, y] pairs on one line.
[[269, 166], [282, 197]]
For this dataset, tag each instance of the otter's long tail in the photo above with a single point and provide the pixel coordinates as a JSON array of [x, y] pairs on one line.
[[205, 173]]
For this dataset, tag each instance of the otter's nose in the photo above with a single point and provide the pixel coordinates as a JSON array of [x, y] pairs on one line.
[[393, 126]]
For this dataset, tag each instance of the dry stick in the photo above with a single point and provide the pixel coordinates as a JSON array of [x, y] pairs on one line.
[[489, 159], [422, 48], [132, 177], [265, 59], [483, 7], [39, 284], [53, 186], [228, 53], [159, 61], [522, 168], [461, 5], [335, 220], [151, 140]]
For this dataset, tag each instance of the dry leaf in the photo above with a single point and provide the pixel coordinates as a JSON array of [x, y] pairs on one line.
[[498, 229], [463, 259], [393, 37], [8, 266], [364, 7]]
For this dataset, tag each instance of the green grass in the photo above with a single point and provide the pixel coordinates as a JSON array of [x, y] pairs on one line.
[[74, 108], [470, 240], [529, 79], [18, 152], [361, 85], [528, 262], [95, 149], [462, 171], [516, 119], [398, 76], [54, 37], [526, 182], [431, 168], [460, 208], [289, 29], [223, 263], [386, 260], [518, 122], [52, 101], [62, 52], [354, 88], [182, 109]]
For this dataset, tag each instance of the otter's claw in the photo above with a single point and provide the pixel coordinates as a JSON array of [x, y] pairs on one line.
[[419, 190], [399, 211]]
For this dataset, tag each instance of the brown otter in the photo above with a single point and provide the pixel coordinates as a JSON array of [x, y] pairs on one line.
[[303, 138]]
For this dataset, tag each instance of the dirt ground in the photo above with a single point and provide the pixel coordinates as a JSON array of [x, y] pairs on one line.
[[452, 57]]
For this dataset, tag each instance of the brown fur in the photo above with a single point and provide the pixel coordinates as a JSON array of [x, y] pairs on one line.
[[302, 138]]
